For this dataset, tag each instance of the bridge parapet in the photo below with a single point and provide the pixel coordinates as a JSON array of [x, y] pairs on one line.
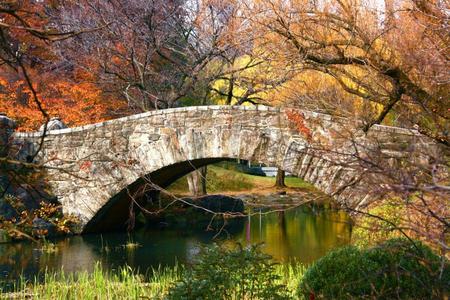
[[262, 108]]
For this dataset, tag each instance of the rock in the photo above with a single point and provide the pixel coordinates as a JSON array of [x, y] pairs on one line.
[[54, 124], [271, 198], [6, 122], [41, 224], [281, 193], [153, 137], [6, 210], [28, 198], [189, 217], [4, 237]]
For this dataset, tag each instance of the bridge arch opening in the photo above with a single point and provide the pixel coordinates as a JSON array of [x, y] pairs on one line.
[[115, 214]]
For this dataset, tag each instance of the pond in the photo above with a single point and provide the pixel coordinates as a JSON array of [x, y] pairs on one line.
[[304, 234]]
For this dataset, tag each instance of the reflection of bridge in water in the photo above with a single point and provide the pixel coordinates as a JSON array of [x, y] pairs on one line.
[[106, 163]]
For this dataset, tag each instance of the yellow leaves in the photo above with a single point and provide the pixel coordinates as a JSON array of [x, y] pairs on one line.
[[246, 77]]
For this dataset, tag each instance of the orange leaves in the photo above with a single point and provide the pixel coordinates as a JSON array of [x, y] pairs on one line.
[[14, 101], [76, 103], [62, 88], [298, 119]]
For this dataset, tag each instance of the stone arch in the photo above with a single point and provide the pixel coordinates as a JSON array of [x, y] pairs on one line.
[[115, 213], [101, 161]]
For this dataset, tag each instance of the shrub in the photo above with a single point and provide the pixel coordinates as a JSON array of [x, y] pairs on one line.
[[396, 269], [339, 274], [241, 273], [410, 270]]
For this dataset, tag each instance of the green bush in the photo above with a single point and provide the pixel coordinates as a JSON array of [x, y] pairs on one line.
[[396, 269], [230, 274], [339, 274], [410, 270]]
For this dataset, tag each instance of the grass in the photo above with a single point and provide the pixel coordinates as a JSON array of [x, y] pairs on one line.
[[130, 246], [124, 284], [100, 284], [290, 276], [220, 180]]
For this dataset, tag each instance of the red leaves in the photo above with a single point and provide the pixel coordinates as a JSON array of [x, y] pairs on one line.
[[86, 165], [298, 119]]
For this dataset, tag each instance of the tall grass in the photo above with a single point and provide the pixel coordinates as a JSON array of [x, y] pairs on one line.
[[124, 284], [100, 284], [131, 245], [290, 276]]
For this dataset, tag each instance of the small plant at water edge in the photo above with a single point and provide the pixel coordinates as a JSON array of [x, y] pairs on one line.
[[131, 245], [240, 273]]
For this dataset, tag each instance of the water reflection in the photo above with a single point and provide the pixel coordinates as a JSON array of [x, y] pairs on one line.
[[301, 234], [304, 234]]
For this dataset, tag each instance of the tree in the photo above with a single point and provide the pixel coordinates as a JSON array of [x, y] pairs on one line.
[[279, 180], [367, 56], [197, 181], [154, 53], [29, 54], [391, 66], [25, 39]]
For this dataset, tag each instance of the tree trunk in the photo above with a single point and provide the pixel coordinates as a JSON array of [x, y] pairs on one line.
[[197, 182], [230, 90], [279, 180], [203, 172]]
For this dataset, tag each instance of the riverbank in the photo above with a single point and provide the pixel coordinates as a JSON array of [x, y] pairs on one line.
[[255, 191], [126, 284], [231, 182]]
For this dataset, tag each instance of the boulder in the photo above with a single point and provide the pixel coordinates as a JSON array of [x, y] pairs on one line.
[[43, 225], [7, 127], [55, 123]]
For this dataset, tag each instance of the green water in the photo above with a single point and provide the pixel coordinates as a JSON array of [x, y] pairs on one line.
[[304, 234]]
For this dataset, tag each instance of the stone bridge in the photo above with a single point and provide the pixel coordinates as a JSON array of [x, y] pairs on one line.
[[95, 169]]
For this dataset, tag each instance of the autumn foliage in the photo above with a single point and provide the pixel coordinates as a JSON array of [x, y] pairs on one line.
[[75, 103], [298, 119], [29, 49], [87, 61]]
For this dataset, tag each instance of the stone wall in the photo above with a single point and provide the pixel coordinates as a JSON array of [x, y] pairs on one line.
[[7, 127]]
